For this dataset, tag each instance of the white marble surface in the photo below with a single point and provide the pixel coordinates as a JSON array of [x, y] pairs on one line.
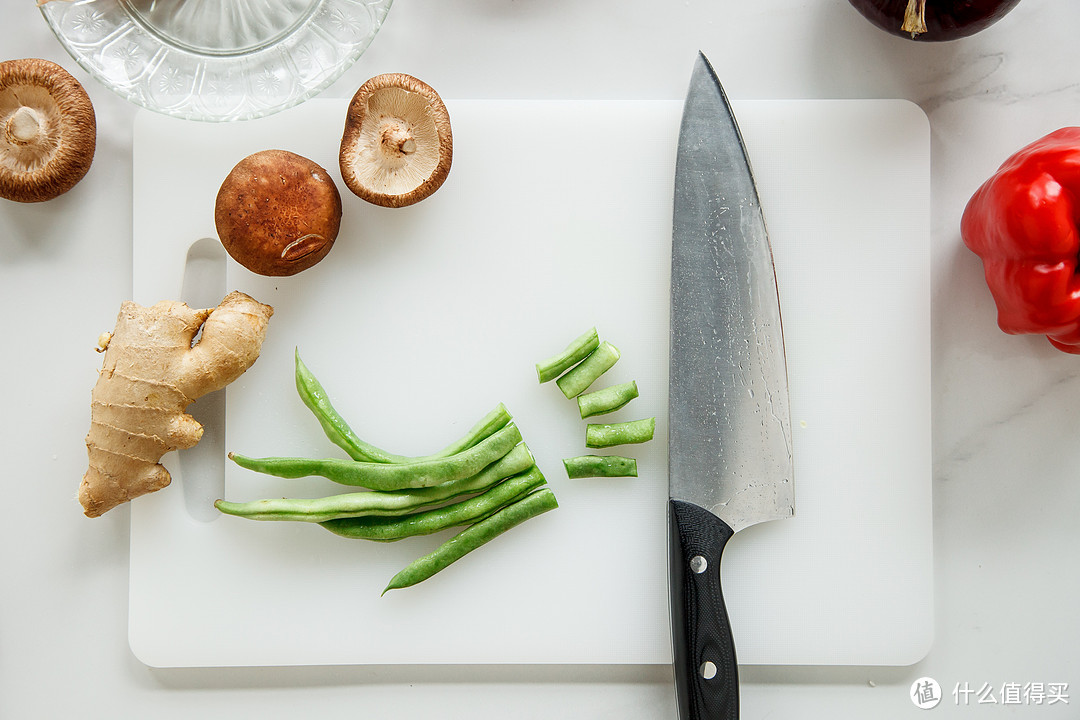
[[1004, 420]]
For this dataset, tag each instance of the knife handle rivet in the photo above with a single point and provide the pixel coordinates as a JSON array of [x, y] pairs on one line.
[[707, 670], [698, 564]]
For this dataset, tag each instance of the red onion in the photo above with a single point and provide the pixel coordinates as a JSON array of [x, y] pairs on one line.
[[933, 20]]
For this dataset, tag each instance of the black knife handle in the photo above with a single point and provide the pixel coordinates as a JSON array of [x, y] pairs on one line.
[[706, 672]]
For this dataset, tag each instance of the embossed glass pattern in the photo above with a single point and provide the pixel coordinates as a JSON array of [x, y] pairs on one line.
[[216, 60]]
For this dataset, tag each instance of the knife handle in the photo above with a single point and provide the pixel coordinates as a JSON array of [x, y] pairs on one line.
[[706, 672]]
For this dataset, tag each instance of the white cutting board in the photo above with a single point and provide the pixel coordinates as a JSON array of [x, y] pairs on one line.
[[555, 217]]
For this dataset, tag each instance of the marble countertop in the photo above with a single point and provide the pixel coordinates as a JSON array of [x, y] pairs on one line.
[[1005, 409]]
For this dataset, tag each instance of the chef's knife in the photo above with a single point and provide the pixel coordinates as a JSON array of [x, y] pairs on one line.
[[730, 460]]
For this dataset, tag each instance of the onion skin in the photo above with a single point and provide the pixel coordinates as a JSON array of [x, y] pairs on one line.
[[945, 19]]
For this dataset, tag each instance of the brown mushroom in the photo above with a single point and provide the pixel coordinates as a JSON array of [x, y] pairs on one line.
[[48, 131], [397, 146], [277, 213]]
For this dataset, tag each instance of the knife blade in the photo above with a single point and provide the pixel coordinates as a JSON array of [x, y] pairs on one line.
[[730, 457]]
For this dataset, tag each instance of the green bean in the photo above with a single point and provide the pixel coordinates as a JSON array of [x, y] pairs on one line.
[[578, 379], [390, 476], [463, 512], [381, 503], [472, 537], [487, 426], [335, 427], [574, 353], [635, 431], [339, 432], [607, 400], [600, 466]]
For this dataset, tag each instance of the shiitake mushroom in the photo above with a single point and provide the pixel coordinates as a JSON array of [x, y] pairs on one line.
[[277, 213], [397, 145], [48, 130], [933, 20]]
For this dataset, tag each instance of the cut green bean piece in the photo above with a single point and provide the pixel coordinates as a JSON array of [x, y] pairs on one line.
[[578, 379], [380, 503], [600, 466], [390, 476], [472, 537], [338, 431], [610, 399], [574, 353], [465, 512], [635, 431]]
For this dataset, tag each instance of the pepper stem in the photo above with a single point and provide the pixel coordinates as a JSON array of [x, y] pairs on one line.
[[915, 18]]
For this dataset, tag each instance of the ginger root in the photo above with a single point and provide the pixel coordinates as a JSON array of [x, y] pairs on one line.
[[151, 372]]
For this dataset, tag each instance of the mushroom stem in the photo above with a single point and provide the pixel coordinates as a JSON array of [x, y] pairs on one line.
[[397, 140], [23, 126]]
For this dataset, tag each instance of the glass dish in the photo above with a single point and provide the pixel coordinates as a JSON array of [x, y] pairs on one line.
[[216, 60]]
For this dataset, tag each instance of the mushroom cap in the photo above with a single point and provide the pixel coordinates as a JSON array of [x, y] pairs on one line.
[[48, 131], [397, 146], [277, 213]]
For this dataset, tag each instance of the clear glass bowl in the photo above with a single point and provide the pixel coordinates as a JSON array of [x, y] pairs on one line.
[[216, 60]]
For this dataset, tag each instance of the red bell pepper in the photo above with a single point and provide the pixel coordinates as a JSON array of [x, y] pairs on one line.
[[1022, 222]]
